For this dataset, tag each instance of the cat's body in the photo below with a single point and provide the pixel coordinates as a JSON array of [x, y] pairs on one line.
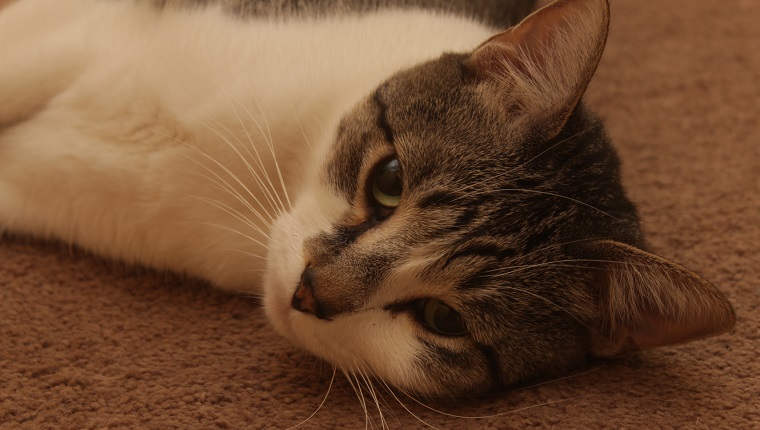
[[167, 136]]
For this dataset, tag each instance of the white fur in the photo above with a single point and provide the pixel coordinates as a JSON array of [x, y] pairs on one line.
[[138, 135], [116, 97]]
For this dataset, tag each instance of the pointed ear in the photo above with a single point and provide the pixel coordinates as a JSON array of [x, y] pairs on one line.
[[646, 301], [541, 67]]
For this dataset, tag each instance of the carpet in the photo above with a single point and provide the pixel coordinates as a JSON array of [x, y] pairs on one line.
[[89, 344]]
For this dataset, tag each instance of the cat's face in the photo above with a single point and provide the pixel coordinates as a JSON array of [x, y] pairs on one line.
[[456, 236], [463, 235]]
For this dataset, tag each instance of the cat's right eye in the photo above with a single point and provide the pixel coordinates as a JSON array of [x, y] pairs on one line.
[[387, 185], [441, 318]]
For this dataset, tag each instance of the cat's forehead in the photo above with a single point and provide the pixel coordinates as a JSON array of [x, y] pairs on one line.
[[438, 108], [436, 123]]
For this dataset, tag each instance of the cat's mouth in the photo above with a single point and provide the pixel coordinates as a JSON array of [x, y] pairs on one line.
[[354, 341]]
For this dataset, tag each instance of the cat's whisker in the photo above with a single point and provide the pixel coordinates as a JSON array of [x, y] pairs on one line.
[[555, 305], [406, 408], [546, 300], [230, 98], [556, 145], [534, 158], [519, 270], [316, 362], [374, 395], [248, 253], [553, 381], [515, 390], [559, 245], [438, 411], [231, 192], [368, 380], [324, 399], [436, 259], [270, 143], [500, 414], [228, 188], [254, 271], [232, 212], [232, 230], [270, 190], [547, 193], [224, 185], [275, 203], [229, 172], [300, 127], [500, 271], [354, 381]]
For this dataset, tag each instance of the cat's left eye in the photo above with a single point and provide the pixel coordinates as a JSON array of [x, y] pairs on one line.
[[387, 185], [440, 317]]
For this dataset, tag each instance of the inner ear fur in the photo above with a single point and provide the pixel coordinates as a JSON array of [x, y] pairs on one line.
[[646, 301], [540, 68]]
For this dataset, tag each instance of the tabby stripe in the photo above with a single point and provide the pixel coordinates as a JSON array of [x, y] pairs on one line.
[[345, 235], [448, 358], [482, 250], [492, 363], [447, 200], [476, 250], [538, 238], [382, 118], [438, 198], [465, 218]]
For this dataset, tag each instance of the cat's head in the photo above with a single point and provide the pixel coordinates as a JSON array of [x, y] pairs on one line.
[[468, 228]]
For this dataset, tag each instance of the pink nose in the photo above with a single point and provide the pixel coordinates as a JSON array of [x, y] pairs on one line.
[[303, 298]]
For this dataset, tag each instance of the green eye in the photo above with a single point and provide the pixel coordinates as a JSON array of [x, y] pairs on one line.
[[441, 318], [387, 185]]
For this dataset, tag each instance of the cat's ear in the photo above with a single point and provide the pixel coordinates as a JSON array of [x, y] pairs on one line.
[[646, 301], [541, 67]]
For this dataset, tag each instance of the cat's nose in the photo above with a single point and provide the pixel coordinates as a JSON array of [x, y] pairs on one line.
[[303, 298]]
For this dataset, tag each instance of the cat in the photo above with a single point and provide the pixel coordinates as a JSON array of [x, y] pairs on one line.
[[415, 194]]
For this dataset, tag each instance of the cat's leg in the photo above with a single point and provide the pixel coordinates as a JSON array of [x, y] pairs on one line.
[[160, 204], [112, 178], [94, 152]]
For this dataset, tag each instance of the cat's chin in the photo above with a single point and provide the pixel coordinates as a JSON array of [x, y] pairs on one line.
[[356, 344]]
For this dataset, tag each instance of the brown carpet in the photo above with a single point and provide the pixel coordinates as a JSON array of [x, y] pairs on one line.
[[85, 344]]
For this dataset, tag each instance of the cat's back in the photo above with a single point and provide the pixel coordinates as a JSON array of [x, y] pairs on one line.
[[498, 13], [291, 43]]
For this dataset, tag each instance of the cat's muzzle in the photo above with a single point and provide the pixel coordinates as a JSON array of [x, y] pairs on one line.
[[303, 299]]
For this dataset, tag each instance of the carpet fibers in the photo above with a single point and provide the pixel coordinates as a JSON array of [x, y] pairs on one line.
[[87, 344]]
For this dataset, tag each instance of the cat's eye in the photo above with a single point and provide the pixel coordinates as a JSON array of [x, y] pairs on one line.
[[440, 318], [387, 185]]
